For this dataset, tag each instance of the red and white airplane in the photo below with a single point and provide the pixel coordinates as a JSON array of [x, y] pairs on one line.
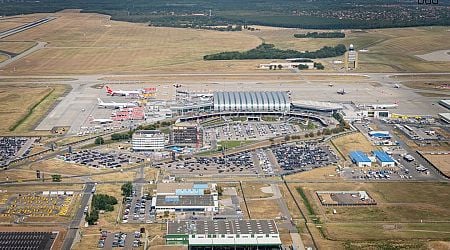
[[122, 92]]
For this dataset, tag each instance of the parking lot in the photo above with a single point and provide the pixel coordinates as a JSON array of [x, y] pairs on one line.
[[249, 131], [13, 147], [303, 157], [109, 240], [406, 168], [26, 240], [137, 209], [97, 159], [240, 163]]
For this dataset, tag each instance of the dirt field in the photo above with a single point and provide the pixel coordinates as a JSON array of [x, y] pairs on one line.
[[428, 85], [442, 162], [352, 142], [122, 176], [91, 43]]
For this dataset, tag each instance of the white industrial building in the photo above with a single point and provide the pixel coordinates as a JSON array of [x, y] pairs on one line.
[[148, 140], [224, 234], [179, 197], [253, 101]]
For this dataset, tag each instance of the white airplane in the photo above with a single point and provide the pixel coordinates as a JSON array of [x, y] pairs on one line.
[[116, 105], [101, 120], [122, 92], [342, 92], [331, 84], [396, 86], [383, 106]]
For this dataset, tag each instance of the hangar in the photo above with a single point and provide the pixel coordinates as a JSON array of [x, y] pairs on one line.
[[252, 101]]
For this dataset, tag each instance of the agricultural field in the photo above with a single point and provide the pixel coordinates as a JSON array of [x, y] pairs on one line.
[[356, 141], [397, 215]]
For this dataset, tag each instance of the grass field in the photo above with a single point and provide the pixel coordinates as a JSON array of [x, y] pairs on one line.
[[253, 190], [352, 142], [16, 47], [16, 100], [82, 43], [397, 215], [263, 209], [91, 43], [33, 113], [3, 58], [427, 85]]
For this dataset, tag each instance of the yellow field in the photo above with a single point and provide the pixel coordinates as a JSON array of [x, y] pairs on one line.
[[352, 142]]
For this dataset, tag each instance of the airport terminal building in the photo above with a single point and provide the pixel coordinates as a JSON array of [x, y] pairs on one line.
[[253, 101]]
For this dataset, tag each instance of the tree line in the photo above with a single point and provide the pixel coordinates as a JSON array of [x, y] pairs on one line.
[[321, 35], [268, 51]]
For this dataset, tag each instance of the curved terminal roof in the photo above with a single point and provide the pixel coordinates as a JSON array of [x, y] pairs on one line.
[[251, 101]]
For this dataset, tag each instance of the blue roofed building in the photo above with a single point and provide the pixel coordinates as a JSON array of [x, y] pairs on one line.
[[360, 159], [383, 158]]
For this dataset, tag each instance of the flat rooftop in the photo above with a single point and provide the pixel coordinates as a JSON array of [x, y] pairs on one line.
[[165, 188], [382, 156], [223, 227], [184, 200], [316, 105], [359, 156]]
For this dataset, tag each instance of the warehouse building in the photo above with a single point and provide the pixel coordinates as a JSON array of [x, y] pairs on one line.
[[445, 117], [252, 101], [148, 140], [224, 234], [383, 159], [183, 197], [360, 159], [445, 103], [186, 134]]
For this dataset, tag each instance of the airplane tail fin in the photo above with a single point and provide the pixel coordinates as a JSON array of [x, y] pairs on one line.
[[99, 101], [109, 90]]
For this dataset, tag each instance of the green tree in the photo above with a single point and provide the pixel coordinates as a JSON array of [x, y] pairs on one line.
[[56, 177], [99, 140], [127, 189]]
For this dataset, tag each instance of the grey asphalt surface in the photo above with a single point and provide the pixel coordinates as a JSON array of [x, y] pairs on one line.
[[75, 224]]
